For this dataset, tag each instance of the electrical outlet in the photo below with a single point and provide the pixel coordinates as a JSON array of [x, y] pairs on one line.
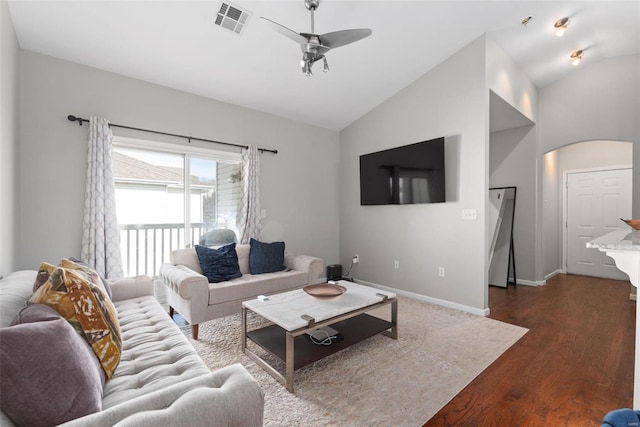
[[396, 264], [469, 214], [441, 271], [356, 259]]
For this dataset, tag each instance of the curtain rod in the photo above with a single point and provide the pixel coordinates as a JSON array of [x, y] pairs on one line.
[[80, 120]]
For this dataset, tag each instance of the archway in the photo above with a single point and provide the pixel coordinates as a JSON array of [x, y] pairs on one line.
[[579, 156]]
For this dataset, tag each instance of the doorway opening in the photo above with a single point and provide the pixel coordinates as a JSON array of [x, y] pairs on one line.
[[586, 190]]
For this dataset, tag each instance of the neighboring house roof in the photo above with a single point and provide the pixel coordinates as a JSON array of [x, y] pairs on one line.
[[126, 168]]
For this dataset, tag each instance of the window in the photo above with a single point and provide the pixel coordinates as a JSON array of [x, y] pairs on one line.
[[159, 209]]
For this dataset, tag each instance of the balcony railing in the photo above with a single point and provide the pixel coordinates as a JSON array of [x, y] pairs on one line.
[[145, 247]]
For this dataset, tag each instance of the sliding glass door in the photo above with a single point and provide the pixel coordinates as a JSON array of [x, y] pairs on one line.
[[159, 209]]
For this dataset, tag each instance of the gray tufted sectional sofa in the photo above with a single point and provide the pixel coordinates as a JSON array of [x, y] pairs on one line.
[[160, 380]]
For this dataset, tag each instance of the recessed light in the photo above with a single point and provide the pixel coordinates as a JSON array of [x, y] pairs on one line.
[[561, 26], [576, 57]]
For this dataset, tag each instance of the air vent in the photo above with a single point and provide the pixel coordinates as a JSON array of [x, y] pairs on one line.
[[232, 17]]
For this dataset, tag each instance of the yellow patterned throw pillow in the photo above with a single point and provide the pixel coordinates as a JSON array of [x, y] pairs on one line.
[[86, 307], [90, 272], [44, 272]]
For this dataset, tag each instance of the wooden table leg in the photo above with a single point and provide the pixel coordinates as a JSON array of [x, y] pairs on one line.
[[289, 361]]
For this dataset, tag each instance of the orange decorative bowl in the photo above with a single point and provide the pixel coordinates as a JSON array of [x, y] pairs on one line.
[[324, 290], [633, 223]]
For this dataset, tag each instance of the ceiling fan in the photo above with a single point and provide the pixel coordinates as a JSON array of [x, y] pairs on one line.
[[315, 46]]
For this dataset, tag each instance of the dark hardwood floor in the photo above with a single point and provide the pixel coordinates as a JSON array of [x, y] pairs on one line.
[[573, 366]]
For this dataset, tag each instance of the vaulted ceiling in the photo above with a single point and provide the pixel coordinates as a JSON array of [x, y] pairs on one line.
[[176, 44]]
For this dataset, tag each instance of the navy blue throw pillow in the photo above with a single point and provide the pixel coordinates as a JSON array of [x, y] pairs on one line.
[[265, 257], [219, 265]]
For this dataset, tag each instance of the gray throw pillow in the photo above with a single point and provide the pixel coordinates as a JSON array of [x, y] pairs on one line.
[[49, 374], [265, 257]]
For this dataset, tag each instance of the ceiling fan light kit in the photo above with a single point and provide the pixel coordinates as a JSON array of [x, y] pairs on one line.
[[315, 46]]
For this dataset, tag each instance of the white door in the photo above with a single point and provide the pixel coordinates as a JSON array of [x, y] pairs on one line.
[[595, 203]]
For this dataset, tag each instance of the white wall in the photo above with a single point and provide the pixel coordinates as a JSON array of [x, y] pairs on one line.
[[598, 102], [450, 100], [9, 131], [299, 185]]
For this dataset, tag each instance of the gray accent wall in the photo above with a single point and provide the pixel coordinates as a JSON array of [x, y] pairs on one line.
[[594, 154], [600, 101], [597, 102], [578, 156], [513, 164], [510, 83], [9, 138], [450, 100], [513, 153], [552, 215], [299, 185]]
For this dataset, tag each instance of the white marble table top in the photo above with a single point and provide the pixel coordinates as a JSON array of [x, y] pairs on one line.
[[285, 309], [622, 240]]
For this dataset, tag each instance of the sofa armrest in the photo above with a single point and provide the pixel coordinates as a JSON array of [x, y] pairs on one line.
[[131, 287], [184, 281], [312, 265], [5, 421], [227, 397]]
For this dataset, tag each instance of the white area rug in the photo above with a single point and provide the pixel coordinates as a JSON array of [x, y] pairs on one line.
[[380, 381]]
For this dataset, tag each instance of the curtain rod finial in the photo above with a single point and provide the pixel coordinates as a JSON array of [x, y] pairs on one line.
[[73, 118]]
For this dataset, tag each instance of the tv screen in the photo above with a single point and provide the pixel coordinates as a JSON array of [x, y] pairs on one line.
[[404, 175]]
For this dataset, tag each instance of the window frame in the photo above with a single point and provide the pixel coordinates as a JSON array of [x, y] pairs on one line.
[[187, 151]]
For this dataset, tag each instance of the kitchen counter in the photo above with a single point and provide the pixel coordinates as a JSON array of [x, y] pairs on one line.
[[624, 247]]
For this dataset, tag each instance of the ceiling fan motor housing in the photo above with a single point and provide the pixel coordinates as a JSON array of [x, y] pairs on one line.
[[311, 4]]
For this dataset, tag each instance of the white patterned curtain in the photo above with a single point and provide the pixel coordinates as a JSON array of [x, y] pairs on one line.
[[250, 212], [100, 238]]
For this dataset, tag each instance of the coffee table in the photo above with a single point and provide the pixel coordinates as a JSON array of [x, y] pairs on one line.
[[296, 313]]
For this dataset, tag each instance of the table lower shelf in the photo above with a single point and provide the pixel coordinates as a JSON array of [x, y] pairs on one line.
[[273, 339]]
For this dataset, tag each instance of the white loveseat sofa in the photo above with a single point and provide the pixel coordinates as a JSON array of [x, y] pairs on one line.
[[190, 293], [160, 380]]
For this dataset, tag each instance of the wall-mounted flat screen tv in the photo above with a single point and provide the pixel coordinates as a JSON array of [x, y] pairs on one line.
[[404, 175]]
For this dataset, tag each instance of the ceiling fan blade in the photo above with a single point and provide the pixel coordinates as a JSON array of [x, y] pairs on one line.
[[341, 38], [285, 31]]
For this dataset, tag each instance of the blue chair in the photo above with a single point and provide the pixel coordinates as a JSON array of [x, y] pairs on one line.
[[622, 418]]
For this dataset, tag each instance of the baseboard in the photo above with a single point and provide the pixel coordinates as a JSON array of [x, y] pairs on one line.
[[532, 282], [436, 301], [553, 273]]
